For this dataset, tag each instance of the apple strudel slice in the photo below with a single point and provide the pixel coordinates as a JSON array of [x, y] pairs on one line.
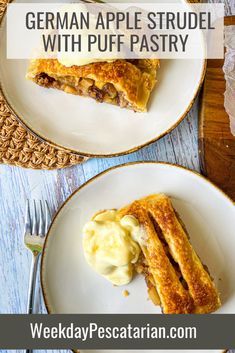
[[183, 284], [126, 83]]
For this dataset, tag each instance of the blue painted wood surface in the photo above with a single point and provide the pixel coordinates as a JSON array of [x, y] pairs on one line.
[[17, 184]]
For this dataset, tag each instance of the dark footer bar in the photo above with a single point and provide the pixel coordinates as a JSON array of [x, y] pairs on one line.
[[121, 331]]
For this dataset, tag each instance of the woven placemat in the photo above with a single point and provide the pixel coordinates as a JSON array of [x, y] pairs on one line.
[[19, 147]]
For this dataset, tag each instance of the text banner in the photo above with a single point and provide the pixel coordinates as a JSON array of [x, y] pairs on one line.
[[120, 331]]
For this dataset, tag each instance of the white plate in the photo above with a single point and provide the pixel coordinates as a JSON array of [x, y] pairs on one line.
[[84, 126], [69, 284]]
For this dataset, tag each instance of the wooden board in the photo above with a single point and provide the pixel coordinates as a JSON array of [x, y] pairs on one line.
[[216, 143]]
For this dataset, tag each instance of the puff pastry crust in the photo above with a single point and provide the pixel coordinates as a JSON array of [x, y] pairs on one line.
[[183, 284], [127, 83]]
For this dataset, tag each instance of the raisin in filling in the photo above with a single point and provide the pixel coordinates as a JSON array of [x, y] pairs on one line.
[[86, 87], [44, 80]]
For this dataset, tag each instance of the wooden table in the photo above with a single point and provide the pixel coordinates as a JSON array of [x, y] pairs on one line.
[[16, 185]]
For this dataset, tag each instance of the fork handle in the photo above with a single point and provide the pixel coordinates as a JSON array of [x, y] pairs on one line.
[[32, 283]]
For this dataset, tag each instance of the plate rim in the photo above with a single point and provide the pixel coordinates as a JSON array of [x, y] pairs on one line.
[[21, 120], [42, 265]]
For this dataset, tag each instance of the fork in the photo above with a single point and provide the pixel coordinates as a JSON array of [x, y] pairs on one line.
[[37, 221]]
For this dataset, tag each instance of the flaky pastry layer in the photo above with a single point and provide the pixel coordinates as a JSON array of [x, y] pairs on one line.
[[127, 83], [182, 282]]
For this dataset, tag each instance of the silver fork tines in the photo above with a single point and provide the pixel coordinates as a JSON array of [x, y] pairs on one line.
[[38, 218]]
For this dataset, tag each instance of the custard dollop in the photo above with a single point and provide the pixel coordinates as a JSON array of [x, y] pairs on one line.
[[110, 247]]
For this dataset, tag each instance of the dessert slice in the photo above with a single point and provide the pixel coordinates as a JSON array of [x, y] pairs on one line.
[[183, 284], [126, 83]]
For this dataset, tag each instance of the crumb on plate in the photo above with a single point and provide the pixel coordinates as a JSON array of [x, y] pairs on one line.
[[125, 293]]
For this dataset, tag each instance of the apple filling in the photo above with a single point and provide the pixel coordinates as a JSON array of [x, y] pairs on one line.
[[84, 87]]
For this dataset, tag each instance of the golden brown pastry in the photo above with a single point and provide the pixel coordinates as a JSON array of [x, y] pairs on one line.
[[183, 285], [126, 83]]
